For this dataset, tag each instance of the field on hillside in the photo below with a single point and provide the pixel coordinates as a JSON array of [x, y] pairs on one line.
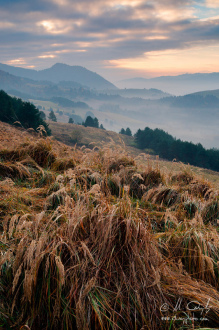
[[89, 136], [71, 133], [99, 238]]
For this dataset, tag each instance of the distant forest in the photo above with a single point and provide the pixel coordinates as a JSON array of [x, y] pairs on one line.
[[13, 109], [168, 147]]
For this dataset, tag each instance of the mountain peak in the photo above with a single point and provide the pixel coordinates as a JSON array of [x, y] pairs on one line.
[[59, 65], [62, 72]]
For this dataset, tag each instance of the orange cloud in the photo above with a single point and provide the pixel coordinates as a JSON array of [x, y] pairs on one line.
[[55, 26], [17, 62], [47, 56]]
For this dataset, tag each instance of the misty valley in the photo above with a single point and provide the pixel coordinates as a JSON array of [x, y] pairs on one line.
[[72, 92]]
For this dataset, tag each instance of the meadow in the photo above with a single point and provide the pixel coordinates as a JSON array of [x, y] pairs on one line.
[[97, 237]]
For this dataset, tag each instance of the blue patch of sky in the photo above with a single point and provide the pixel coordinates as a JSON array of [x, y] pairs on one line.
[[202, 12], [34, 5]]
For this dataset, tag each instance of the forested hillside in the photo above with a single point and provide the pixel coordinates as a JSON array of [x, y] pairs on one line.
[[13, 109], [171, 148]]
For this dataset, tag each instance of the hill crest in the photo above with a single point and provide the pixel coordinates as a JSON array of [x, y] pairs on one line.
[[62, 72]]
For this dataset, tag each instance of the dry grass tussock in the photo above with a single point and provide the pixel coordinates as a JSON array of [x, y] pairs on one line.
[[89, 242]]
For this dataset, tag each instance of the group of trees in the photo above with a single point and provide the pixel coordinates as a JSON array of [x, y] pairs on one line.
[[13, 109], [126, 131], [92, 122], [166, 146], [71, 121]]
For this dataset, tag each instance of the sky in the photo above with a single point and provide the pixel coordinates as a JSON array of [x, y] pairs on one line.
[[117, 39]]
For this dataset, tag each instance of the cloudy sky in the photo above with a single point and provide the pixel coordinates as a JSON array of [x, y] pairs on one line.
[[118, 39]]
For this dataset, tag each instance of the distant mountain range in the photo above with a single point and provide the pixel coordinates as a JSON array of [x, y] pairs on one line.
[[151, 93], [194, 116], [62, 72], [27, 88], [178, 85], [67, 76]]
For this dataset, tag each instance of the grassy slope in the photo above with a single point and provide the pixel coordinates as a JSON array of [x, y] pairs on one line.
[[67, 133], [88, 239]]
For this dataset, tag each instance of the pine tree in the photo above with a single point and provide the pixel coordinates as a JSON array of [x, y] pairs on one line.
[[71, 121], [128, 131], [52, 116], [122, 131]]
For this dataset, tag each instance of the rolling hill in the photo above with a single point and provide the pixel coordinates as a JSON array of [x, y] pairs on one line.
[[209, 93], [152, 94], [27, 88], [177, 85], [89, 136], [62, 72]]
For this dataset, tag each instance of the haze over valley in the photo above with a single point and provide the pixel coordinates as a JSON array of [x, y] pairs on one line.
[[74, 91]]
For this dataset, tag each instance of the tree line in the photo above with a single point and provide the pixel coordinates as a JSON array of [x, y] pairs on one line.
[[13, 109], [168, 147], [92, 122]]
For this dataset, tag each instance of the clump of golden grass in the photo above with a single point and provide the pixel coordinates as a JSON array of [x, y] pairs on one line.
[[56, 198], [200, 189], [191, 206], [41, 152], [61, 164], [41, 131], [119, 163], [9, 155], [114, 184], [9, 182], [210, 212], [44, 178], [99, 268], [16, 170], [183, 178], [196, 248], [137, 187], [152, 177], [142, 182], [162, 195], [81, 248]]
